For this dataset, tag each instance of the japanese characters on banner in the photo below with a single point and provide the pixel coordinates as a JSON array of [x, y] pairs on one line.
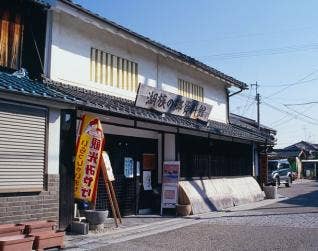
[[166, 102], [88, 153], [170, 181]]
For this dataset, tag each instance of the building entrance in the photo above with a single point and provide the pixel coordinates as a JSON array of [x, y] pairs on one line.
[[130, 158]]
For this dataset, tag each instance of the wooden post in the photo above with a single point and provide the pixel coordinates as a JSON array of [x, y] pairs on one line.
[[111, 194], [115, 201]]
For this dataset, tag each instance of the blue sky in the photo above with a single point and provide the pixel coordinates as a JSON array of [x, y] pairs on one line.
[[272, 42]]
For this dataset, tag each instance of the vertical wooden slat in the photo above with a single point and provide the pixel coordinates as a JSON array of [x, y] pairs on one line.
[[202, 94], [192, 91], [125, 84], [120, 73], [98, 66], [115, 70], [95, 64], [133, 82], [136, 76], [129, 76], [108, 69], [4, 40], [92, 64], [15, 50], [104, 58], [112, 70]]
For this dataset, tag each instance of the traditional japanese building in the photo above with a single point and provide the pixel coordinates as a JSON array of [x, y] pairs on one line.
[[155, 104]]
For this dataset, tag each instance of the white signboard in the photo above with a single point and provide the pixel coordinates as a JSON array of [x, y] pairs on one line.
[[170, 181], [108, 166], [166, 102], [146, 180], [129, 167]]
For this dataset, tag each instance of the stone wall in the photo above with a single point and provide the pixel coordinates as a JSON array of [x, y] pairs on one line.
[[15, 208]]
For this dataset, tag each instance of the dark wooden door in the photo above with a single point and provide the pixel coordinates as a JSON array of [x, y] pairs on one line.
[[129, 190]]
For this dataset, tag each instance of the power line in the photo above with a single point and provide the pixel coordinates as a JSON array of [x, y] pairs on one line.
[[235, 36], [302, 114], [263, 52], [290, 114], [292, 84], [282, 85], [301, 104], [299, 116]]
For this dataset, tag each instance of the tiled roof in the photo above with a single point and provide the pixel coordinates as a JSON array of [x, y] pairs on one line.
[[45, 3], [10, 83], [302, 145], [80, 97], [283, 154], [120, 106], [174, 53]]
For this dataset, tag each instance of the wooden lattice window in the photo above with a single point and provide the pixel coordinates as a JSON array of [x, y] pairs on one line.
[[190, 90], [114, 71]]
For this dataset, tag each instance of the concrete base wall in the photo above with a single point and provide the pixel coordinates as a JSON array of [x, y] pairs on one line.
[[15, 208], [220, 193]]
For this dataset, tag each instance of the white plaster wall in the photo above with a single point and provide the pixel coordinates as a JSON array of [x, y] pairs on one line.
[[72, 39], [54, 141], [169, 147]]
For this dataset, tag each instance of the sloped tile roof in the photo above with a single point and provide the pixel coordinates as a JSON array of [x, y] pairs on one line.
[[10, 83], [302, 145], [126, 107], [81, 97]]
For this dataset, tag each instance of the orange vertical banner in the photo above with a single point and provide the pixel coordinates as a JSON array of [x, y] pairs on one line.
[[89, 148]]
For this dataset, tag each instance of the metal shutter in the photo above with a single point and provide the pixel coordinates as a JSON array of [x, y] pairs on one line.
[[22, 147]]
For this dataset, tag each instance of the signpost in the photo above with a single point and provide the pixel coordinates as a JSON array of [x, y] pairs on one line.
[[162, 101], [170, 181]]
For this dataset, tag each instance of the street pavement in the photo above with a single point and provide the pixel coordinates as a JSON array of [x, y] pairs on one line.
[[288, 224]]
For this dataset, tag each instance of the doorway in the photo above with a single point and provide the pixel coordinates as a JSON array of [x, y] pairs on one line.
[[127, 156]]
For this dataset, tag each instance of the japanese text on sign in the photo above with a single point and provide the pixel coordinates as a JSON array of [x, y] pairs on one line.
[[88, 153], [166, 102], [170, 182]]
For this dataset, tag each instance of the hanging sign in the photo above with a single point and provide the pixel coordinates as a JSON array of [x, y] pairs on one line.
[[170, 181], [108, 166], [129, 167], [88, 153], [146, 180], [166, 102]]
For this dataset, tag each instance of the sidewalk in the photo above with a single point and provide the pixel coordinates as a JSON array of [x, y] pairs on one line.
[[138, 226]]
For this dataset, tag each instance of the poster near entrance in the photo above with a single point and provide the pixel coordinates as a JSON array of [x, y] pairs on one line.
[[170, 180], [88, 153]]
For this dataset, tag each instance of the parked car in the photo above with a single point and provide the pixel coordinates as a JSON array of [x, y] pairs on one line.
[[279, 172]]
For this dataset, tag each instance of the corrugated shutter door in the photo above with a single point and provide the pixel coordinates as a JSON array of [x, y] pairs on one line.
[[22, 147]]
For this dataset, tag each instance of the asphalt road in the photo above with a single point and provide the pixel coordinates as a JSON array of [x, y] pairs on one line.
[[290, 224]]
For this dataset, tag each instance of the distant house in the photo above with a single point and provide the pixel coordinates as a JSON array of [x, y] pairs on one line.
[[301, 155]]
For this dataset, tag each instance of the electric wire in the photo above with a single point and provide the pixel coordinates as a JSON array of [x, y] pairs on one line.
[[292, 84], [262, 52]]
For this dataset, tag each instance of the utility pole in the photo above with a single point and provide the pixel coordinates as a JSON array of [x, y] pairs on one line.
[[257, 98]]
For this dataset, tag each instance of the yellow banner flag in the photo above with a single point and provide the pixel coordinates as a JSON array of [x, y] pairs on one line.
[[89, 146]]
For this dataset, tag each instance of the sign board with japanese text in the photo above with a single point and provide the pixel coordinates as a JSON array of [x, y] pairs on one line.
[[108, 166], [87, 160], [162, 101], [128, 167], [170, 182]]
